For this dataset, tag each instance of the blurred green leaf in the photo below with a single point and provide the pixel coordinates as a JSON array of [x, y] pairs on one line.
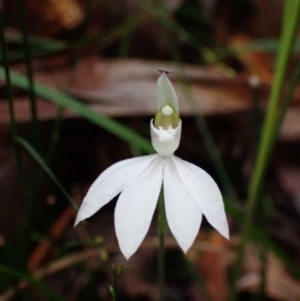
[[43, 288], [82, 110], [49, 44]]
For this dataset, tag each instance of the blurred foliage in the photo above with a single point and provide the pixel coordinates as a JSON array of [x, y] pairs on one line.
[[184, 32]]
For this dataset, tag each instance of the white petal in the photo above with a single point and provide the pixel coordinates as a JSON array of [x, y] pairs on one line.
[[205, 193], [165, 93], [135, 208], [183, 215], [110, 183]]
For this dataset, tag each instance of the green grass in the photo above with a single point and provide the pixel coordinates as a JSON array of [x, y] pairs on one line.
[[173, 32]]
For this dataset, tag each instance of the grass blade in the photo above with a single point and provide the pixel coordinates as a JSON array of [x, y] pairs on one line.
[[27, 53], [46, 169], [34, 282], [290, 22], [62, 99]]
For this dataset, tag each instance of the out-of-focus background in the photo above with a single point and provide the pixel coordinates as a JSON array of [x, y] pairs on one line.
[[92, 56]]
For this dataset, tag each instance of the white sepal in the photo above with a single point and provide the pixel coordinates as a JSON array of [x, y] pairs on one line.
[[205, 194], [166, 94], [135, 208], [110, 183], [183, 215], [165, 142]]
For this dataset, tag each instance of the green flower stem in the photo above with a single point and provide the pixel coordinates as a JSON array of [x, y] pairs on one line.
[[113, 290], [27, 54], [13, 124], [162, 225], [290, 22], [34, 126], [116, 289], [23, 231]]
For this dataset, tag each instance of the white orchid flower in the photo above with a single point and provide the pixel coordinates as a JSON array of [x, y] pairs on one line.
[[189, 192]]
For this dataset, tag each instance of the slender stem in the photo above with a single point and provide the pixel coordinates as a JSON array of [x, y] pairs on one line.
[[27, 53], [23, 231], [13, 124], [33, 180], [290, 21], [161, 250], [116, 289]]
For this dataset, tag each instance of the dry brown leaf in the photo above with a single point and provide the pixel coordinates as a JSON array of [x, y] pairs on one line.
[[52, 268], [279, 284], [52, 16], [256, 63], [214, 269], [57, 229], [45, 110], [128, 88]]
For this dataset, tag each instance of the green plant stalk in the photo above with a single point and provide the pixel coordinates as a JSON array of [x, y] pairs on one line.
[[23, 232], [116, 288], [32, 181], [162, 226], [27, 53], [265, 149], [290, 21], [14, 132]]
